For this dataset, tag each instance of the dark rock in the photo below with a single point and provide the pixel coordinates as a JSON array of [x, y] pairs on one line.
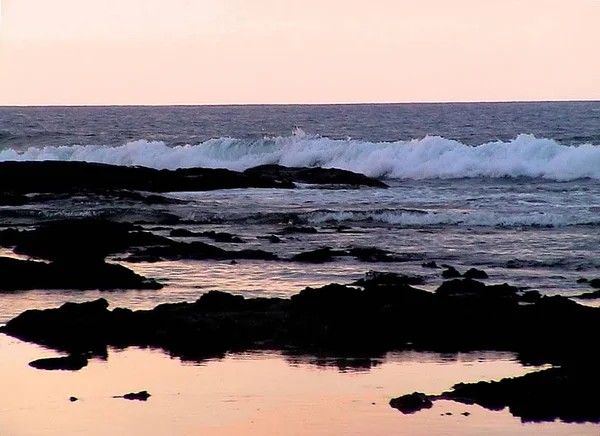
[[274, 239], [322, 176], [195, 250], [18, 274], [473, 288], [69, 177], [558, 393], [137, 396], [68, 363], [215, 236], [375, 255], [223, 237], [466, 414], [582, 280], [319, 255], [475, 273], [79, 239], [451, 273], [182, 233], [299, 229], [588, 295], [73, 399], [12, 199], [594, 283], [376, 278], [531, 296], [411, 403]]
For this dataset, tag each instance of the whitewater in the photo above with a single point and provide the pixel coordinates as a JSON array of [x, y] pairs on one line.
[[428, 158]]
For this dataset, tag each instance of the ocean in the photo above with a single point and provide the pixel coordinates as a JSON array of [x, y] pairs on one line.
[[510, 188]]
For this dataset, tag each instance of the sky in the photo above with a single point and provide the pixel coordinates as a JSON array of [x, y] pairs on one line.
[[297, 51]]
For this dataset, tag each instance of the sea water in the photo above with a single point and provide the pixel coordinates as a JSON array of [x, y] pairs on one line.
[[511, 188]]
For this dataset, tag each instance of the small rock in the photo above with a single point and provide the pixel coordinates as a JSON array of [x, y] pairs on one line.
[[466, 413], [68, 363], [411, 403], [451, 273], [475, 273], [73, 399], [138, 396]]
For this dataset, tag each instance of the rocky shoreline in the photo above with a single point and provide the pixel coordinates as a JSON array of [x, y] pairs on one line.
[[382, 312]]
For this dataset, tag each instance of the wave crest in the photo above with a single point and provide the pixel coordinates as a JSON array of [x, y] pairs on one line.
[[426, 158]]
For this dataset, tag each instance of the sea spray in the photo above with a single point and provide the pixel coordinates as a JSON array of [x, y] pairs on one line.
[[431, 157]]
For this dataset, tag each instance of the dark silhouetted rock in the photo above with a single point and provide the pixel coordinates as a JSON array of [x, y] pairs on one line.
[[411, 403], [588, 295], [195, 250], [594, 283], [299, 229], [73, 399], [68, 363], [319, 255], [79, 239], [568, 394], [322, 176], [531, 296], [137, 396], [376, 278], [473, 288], [475, 273], [451, 273], [18, 274]]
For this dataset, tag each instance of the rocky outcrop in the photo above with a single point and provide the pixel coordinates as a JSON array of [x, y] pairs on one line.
[[67, 363], [18, 274], [63, 176], [379, 316]]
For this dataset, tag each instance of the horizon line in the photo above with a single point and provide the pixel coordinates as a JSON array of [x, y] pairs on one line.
[[338, 103]]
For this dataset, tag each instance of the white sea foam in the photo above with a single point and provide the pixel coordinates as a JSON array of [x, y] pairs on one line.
[[471, 219], [429, 157]]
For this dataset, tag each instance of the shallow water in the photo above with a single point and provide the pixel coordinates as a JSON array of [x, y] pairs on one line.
[[251, 393]]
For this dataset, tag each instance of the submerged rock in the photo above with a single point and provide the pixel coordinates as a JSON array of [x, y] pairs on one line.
[[411, 403], [68, 363]]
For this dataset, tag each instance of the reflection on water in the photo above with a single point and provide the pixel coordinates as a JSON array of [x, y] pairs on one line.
[[250, 393]]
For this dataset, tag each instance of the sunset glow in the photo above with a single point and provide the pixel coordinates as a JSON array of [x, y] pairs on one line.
[[264, 51]]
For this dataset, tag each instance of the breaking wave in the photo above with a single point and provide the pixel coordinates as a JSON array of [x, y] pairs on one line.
[[475, 219], [426, 158]]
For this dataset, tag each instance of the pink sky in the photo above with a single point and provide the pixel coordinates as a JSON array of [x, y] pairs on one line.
[[297, 51]]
